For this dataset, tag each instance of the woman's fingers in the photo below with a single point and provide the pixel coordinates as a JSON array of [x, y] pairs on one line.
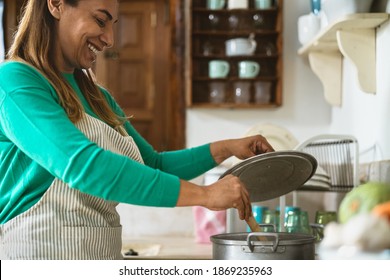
[[230, 192]]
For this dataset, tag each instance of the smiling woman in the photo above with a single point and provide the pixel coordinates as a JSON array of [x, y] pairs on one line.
[[68, 154]]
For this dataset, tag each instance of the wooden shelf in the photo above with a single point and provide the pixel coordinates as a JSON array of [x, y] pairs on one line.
[[353, 37], [229, 105], [206, 38]]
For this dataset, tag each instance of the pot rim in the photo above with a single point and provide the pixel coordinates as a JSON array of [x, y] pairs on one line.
[[292, 239]]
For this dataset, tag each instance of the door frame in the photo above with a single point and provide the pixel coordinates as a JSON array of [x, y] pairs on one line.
[[176, 111], [177, 70]]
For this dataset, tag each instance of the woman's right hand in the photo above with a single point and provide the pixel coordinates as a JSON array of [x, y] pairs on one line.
[[229, 192]]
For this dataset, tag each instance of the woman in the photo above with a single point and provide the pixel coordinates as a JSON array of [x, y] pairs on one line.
[[67, 153]]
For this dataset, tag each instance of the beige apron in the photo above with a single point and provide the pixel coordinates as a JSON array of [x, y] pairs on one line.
[[68, 224]]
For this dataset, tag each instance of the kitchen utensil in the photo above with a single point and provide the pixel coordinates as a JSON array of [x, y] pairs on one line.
[[254, 226], [277, 246], [248, 69], [268, 176], [280, 138], [240, 46], [263, 4], [273, 174], [218, 68], [237, 4], [338, 155], [308, 27], [215, 4]]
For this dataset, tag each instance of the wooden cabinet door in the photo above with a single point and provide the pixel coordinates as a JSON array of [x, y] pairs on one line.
[[135, 69]]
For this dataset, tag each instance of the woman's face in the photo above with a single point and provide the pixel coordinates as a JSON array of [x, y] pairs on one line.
[[83, 32]]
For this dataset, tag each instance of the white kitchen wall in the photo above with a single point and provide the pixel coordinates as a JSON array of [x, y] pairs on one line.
[[366, 115], [304, 113]]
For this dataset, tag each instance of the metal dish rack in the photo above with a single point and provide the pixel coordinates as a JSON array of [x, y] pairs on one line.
[[338, 155]]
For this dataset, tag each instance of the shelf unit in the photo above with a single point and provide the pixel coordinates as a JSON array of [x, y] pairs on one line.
[[353, 37], [207, 32]]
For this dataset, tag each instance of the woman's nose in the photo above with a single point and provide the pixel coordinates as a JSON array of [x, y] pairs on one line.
[[108, 38]]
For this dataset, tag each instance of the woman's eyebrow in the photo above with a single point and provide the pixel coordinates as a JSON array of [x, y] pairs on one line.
[[107, 14]]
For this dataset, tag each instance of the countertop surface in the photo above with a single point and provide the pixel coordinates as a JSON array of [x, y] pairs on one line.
[[167, 248]]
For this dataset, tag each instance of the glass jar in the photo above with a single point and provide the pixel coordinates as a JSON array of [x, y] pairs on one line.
[[271, 217], [297, 221]]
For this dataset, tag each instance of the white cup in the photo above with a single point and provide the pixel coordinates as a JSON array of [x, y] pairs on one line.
[[237, 4], [248, 69], [240, 46], [308, 27]]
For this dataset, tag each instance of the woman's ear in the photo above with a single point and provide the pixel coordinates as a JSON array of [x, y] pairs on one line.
[[54, 7]]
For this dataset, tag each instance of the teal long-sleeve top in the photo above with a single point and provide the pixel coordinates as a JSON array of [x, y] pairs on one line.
[[39, 143]]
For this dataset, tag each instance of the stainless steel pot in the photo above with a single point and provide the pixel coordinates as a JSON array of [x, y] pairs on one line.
[[278, 246]]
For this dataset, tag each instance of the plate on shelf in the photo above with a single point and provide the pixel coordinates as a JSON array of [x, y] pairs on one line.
[[279, 137], [314, 184]]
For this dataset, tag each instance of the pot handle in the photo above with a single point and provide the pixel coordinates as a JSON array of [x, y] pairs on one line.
[[264, 234]]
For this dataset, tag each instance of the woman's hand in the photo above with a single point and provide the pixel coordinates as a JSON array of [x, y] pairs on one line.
[[228, 192], [242, 148]]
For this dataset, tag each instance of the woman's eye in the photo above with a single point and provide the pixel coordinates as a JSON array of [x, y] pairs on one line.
[[100, 22]]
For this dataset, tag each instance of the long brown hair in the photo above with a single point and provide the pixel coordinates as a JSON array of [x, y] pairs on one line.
[[34, 44]]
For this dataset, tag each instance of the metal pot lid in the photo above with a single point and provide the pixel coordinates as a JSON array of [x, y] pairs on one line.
[[274, 174]]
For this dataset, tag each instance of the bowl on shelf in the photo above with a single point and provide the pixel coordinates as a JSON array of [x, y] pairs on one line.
[[240, 46]]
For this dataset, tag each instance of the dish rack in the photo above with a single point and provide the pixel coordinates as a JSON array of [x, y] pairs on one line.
[[338, 155]]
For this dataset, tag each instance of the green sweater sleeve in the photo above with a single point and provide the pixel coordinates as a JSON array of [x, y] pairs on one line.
[[34, 123]]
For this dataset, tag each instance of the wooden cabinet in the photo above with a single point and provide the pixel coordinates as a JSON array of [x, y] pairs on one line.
[[207, 33]]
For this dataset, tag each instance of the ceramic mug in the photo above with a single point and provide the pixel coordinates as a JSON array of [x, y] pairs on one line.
[[218, 69], [263, 4], [237, 4], [240, 46], [308, 27], [248, 69], [215, 4]]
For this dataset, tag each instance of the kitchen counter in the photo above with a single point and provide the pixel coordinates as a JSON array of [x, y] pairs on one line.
[[167, 248]]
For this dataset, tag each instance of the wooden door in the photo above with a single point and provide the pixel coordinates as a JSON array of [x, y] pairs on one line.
[[136, 70]]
